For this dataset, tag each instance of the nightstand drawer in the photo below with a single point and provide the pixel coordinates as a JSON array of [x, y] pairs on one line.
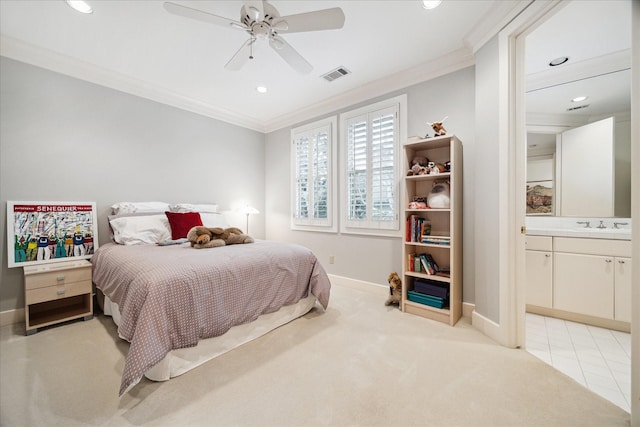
[[57, 278], [50, 293]]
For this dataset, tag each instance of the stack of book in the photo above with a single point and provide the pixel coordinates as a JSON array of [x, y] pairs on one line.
[[417, 228], [430, 292], [422, 263], [437, 240]]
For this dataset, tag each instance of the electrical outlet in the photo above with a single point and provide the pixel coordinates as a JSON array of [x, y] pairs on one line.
[[331, 259]]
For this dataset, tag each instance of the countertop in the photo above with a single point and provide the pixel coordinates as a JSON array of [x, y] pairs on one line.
[[590, 233]]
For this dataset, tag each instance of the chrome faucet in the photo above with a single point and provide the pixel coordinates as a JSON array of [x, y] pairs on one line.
[[584, 222], [616, 224], [601, 225]]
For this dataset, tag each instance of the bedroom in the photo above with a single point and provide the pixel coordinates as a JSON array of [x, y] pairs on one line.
[[119, 139]]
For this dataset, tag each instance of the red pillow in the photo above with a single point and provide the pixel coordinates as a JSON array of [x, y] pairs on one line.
[[182, 222]]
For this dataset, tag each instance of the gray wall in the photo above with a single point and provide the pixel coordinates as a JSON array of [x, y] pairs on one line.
[[372, 258], [66, 139], [486, 179]]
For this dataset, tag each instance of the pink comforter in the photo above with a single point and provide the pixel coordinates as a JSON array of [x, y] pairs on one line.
[[172, 296]]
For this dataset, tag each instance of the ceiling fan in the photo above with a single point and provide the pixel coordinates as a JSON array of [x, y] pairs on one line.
[[263, 22]]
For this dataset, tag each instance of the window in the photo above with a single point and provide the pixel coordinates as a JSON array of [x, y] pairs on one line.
[[370, 168], [313, 170]]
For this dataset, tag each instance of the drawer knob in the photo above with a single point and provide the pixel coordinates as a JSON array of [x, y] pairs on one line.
[[60, 278], [60, 291], [547, 255], [607, 260], [621, 261]]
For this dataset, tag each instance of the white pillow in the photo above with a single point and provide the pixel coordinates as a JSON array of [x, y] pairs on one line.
[[136, 207], [136, 230], [210, 219], [188, 207]]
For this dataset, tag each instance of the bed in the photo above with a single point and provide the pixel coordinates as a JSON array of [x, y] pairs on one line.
[[179, 307]]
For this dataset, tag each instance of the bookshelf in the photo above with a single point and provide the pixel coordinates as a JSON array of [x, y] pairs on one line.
[[434, 231]]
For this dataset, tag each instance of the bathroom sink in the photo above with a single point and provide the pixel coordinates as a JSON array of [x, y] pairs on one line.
[[593, 233]]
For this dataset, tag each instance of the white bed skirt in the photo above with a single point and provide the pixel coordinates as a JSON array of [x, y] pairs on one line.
[[177, 362]]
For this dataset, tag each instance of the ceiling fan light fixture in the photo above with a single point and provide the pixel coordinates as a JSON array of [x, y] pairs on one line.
[[558, 61], [281, 25], [431, 4], [276, 43], [80, 6]]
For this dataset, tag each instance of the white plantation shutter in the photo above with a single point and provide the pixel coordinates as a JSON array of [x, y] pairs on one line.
[[313, 170], [370, 153]]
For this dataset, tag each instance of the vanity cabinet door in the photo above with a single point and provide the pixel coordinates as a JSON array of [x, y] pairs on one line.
[[622, 306], [539, 278], [584, 284]]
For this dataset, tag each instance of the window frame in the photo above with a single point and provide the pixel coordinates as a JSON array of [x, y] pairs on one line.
[[330, 225], [347, 226]]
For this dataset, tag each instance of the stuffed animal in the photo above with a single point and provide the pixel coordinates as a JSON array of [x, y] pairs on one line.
[[439, 197], [395, 289], [438, 129], [205, 237]]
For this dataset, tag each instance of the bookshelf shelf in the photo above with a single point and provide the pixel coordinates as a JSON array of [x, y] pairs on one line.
[[443, 223]]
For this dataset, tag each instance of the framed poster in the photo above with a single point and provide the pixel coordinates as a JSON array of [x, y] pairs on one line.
[[540, 198], [46, 232]]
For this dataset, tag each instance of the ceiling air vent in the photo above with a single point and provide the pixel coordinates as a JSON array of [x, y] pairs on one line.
[[579, 107], [335, 74]]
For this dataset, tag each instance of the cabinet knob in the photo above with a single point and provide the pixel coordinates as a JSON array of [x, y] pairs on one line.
[[607, 260], [60, 291], [621, 261], [547, 255], [60, 278]]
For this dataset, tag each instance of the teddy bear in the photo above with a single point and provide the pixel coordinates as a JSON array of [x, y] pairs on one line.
[[204, 237], [395, 289]]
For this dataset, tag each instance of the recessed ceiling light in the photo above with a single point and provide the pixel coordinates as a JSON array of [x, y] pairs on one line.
[[431, 4], [261, 89], [579, 98], [80, 5], [558, 61]]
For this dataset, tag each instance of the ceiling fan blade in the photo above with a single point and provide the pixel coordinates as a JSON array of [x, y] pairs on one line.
[[200, 15], [326, 19], [290, 55], [241, 56]]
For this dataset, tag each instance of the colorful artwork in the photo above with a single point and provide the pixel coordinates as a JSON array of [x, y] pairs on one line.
[[44, 232]]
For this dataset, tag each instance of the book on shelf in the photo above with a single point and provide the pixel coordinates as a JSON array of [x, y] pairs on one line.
[[437, 240], [417, 228], [428, 264]]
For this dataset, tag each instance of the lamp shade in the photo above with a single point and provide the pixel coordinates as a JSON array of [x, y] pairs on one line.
[[249, 210]]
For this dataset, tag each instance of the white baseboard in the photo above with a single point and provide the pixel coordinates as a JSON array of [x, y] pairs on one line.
[[10, 317], [467, 309], [487, 327], [361, 285]]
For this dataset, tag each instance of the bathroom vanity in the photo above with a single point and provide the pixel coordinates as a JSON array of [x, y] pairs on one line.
[[580, 274]]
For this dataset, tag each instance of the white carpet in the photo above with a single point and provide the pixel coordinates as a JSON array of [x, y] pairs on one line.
[[360, 363]]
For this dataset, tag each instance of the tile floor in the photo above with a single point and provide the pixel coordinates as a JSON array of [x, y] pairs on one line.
[[597, 358]]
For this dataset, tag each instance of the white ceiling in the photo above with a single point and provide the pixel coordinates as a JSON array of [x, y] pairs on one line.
[[596, 37], [138, 47]]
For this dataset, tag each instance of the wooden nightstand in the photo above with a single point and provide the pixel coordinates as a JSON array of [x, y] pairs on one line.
[[56, 293]]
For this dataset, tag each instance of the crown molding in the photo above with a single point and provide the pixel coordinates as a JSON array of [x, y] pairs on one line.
[[498, 17], [454, 61], [30, 54]]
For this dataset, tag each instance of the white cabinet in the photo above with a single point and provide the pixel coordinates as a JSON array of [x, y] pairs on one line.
[[584, 284], [434, 230], [539, 278], [622, 289], [592, 277]]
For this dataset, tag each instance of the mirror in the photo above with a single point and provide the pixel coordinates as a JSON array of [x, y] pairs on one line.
[[598, 66]]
